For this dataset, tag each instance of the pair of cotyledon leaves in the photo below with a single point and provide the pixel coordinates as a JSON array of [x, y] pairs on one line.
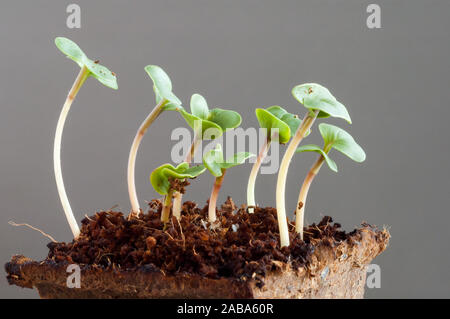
[[340, 140], [98, 71], [215, 163], [212, 160], [160, 177], [217, 120], [275, 117], [316, 97]]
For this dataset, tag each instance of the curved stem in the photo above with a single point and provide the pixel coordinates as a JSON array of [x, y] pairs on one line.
[[213, 199], [81, 78], [254, 173], [133, 152], [178, 197], [282, 175], [165, 213], [299, 214]]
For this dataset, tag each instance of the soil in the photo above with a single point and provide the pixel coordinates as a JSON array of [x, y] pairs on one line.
[[240, 245]]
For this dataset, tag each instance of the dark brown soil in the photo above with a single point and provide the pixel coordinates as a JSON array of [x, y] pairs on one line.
[[242, 245]]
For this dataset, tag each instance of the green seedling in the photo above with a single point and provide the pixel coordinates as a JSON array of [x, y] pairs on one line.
[[279, 125], [163, 177], [207, 124], [165, 100], [89, 68], [217, 166], [333, 137], [319, 103]]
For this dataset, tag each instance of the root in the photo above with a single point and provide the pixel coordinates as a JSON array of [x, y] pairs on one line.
[[33, 228]]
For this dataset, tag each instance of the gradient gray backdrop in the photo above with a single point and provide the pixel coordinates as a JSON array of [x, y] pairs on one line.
[[239, 54]]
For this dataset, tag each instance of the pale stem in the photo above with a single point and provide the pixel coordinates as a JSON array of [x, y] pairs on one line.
[[254, 173], [300, 211], [133, 152], [213, 199], [165, 213], [282, 175], [81, 78], [178, 197]]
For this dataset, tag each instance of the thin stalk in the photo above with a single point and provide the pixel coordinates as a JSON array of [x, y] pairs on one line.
[[165, 213], [133, 152], [178, 197], [306, 124], [299, 214], [252, 179], [81, 78], [213, 199]]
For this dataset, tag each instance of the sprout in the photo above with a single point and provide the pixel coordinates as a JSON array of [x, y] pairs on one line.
[[165, 100], [216, 121], [214, 162], [333, 137], [279, 125], [88, 68], [320, 103], [164, 180]]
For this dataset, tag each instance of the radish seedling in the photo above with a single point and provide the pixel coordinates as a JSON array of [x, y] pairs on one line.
[[207, 124], [164, 180], [333, 137], [279, 126], [214, 162], [165, 100], [320, 103], [88, 68]]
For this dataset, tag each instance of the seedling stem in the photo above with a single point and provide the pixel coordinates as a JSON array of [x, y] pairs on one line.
[[299, 214], [133, 152], [213, 199], [254, 174], [303, 129], [165, 214], [81, 78], [177, 196]]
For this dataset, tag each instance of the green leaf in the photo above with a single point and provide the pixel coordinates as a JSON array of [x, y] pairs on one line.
[[226, 119], [294, 122], [194, 121], [342, 141], [98, 71], [102, 74], [160, 176], [71, 49], [275, 117], [214, 162], [270, 121], [218, 119], [277, 111], [199, 107], [316, 97], [314, 148], [162, 87]]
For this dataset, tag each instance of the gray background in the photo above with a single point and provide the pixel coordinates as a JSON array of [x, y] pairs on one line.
[[242, 55]]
